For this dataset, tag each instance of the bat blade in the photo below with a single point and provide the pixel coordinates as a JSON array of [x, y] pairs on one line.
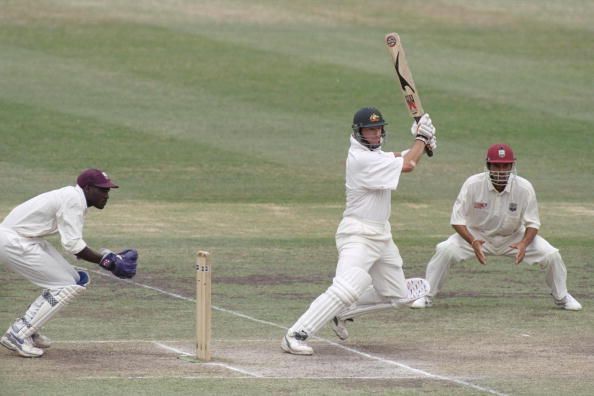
[[405, 80]]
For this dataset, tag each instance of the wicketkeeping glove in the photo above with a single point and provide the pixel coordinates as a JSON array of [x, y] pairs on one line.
[[122, 265]]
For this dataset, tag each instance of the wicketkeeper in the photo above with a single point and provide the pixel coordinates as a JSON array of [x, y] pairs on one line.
[[23, 250], [369, 275], [496, 214]]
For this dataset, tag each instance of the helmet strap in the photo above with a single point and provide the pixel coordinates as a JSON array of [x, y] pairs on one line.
[[359, 137]]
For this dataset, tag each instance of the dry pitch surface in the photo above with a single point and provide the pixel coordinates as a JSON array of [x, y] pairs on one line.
[[455, 365]]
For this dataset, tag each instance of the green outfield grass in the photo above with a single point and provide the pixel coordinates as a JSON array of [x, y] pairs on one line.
[[226, 125]]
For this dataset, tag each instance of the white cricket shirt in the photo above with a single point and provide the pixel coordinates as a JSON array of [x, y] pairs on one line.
[[494, 215], [370, 178], [60, 210]]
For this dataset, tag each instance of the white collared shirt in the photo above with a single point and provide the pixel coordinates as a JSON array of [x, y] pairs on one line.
[[60, 210], [370, 178], [494, 214]]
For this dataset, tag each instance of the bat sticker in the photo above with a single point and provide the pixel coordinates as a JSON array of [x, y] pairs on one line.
[[403, 82], [410, 102]]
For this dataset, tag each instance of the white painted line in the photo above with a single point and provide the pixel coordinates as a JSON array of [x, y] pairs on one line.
[[352, 350], [228, 367], [242, 371], [414, 370], [132, 341], [208, 377], [159, 377], [107, 275], [175, 295], [102, 341], [249, 317], [172, 349]]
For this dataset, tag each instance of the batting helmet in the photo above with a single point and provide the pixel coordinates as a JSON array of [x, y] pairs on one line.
[[500, 153], [368, 117]]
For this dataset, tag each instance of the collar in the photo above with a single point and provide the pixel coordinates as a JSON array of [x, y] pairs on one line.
[[82, 197], [357, 145]]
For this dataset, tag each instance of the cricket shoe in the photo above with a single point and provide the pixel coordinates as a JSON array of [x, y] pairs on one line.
[[569, 303], [23, 347], [295, 343], [423, 302], [41, 341], [339, 327]]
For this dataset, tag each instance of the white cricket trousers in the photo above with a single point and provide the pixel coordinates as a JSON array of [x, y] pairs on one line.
[[369, 247], [455, 249], [369, 271], [36, 260]]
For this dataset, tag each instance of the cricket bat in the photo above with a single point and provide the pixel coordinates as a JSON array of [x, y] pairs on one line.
[[405, 80]]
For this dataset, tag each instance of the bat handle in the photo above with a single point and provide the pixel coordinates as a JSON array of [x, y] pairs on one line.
[[428, 150]]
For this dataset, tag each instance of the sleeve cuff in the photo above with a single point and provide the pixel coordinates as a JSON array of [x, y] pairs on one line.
[[76, 247]]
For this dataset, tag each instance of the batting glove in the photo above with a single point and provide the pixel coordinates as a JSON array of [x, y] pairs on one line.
[[425, 129], [425, 120], [432, 143]]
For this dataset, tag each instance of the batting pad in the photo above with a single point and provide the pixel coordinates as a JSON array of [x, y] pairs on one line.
[[44, 308], [343, 292], [416, 288]]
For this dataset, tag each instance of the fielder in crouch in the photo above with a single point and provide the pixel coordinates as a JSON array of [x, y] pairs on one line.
[[369, 272], [496, 214], [23, 250]]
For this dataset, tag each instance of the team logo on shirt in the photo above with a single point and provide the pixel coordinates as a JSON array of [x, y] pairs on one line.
[[480, 205], [513, 207]]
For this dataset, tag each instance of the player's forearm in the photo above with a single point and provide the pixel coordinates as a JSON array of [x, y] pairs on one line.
[[529, 235], [89, 255], [462, 230], [413, 156]]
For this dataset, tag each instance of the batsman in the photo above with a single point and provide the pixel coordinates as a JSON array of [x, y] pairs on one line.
[[369, 275], [25, 251]]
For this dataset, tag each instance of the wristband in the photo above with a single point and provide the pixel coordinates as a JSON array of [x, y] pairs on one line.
[[422, 138], [108, 261]]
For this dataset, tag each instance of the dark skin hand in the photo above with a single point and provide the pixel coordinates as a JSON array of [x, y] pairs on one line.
[[89, 255]]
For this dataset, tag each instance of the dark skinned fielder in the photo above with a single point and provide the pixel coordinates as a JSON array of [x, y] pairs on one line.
[[24, 250]]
